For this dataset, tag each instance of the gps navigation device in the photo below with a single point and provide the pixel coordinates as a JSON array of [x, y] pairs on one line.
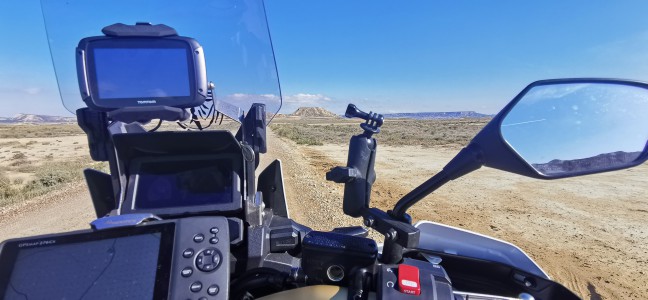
[[157, 260], [118, 72]]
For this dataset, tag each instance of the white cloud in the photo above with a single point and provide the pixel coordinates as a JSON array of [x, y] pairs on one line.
[[307, 99], [32, 90]]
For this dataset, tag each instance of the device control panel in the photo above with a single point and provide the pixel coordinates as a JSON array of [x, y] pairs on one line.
[[201, 259]]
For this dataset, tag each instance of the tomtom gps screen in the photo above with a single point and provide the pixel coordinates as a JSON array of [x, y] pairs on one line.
[[105, 265], [145, 73], [121, 72]]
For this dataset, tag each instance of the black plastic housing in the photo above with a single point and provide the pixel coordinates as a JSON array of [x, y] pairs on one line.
[[321, 250]]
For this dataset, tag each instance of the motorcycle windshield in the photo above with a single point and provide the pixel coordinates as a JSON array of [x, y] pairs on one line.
[[233, 33]]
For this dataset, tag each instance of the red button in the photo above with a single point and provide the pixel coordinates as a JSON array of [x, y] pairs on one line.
[[408, 280]]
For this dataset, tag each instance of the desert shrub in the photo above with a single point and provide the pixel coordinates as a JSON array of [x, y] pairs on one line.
[[25, 167], [47, 177], [18, 155], [297, 134], [53, 174], [6, 189], [19, 162]]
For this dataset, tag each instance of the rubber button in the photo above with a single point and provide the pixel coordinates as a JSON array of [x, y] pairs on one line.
[[186, 272], [214, 230], [199, 238], [212, 290], [188, 253], [408, 280], [213, 240], [208, 260], [196, 287]]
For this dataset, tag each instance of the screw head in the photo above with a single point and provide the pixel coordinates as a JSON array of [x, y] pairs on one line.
[[391, 234]]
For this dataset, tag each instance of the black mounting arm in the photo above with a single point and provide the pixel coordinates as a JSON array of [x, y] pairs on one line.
[[398, 234], [252, 135], [359, 175]]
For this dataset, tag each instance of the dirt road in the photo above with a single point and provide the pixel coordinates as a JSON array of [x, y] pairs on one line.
[[587, 233], [65, 209]]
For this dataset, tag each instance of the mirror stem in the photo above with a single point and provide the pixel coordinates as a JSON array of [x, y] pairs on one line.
[[467, 160]]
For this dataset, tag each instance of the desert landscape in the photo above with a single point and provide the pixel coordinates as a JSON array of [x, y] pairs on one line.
[[588, 233]]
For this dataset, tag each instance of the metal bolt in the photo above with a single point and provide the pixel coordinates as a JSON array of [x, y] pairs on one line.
[[391, 234], [369, 221]]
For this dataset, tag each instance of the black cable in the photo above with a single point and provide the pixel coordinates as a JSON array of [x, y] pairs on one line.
[[157, 126], [262, 284], [212, 112], [261, 280], [254, 272]]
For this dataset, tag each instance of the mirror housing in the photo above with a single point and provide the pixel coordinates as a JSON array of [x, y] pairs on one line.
[[498, 150]]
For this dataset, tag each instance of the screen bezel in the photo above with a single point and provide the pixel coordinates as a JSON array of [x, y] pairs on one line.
[[129, 205], [87, 71], [11, 248]]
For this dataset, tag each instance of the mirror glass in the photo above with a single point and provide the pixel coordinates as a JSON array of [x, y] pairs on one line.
[[568, 128]]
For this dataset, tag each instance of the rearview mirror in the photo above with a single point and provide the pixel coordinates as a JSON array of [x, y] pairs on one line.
[[554, 129], [570, 127]]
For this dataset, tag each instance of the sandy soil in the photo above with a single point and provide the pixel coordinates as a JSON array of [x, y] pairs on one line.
[[588, 233]]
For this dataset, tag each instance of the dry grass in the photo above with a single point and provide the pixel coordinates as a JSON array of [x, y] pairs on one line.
[[37, 131], [424, 133], [46, 177]]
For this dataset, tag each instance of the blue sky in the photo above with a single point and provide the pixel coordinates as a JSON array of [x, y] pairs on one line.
[[390, 56]]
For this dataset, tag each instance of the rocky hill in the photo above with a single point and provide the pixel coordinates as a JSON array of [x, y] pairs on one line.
[[598, 162], [313, 112], [31, 118]]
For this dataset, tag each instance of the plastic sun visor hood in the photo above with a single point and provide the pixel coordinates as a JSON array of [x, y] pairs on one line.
[[238, 54]]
